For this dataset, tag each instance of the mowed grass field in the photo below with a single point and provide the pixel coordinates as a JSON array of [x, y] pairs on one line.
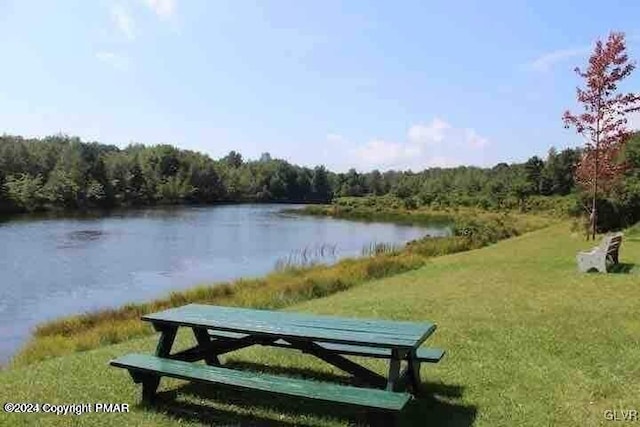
[[530, 341]]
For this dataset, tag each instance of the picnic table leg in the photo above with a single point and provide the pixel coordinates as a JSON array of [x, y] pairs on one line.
[[394, 370], [204, 341], [163, 349], [167, 336], [414, 372]]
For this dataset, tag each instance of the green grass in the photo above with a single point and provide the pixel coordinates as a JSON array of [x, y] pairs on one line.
[[530, 341]]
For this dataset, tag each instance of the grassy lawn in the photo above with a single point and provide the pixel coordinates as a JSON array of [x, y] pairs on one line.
[[530, 342]]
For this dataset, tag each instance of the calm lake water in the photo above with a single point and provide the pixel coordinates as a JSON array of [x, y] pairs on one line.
[[62, 266]]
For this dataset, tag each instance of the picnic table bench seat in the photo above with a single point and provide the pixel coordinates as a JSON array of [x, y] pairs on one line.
[[607, 251], [141, 365], [426, 355]]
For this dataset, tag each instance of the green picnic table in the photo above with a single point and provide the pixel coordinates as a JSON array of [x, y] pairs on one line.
[[221, 330]]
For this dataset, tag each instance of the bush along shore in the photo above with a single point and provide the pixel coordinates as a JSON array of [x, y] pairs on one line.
[[285, 286]]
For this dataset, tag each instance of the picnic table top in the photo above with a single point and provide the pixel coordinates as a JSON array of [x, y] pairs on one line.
[[366, 332]]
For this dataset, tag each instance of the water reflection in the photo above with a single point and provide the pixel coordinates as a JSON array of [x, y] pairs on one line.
[[78, 238]]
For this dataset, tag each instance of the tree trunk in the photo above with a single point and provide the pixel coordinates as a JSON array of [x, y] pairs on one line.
[[591, 232], [594, 207]]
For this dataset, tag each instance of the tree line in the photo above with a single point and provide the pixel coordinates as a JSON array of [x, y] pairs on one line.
[[62, 172], [65, 172]]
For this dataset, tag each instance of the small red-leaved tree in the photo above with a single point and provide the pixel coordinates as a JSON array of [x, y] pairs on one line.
[[603, 121]]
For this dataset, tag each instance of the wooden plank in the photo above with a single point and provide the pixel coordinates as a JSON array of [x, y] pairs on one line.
[[427, 355], [349, 350], [367, 332], [189, 355], [297, 319], [342, 363], [205, 344], [227, 345], [370, 398], [226, 334]]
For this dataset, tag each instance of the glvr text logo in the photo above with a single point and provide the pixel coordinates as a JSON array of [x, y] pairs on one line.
[[621, 415]]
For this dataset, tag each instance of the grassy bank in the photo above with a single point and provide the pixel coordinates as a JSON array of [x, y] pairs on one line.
[[530, 342], [278, 289], [380, 206]]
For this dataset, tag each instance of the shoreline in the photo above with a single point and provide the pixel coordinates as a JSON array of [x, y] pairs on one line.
[[276, 289], [89, 212]]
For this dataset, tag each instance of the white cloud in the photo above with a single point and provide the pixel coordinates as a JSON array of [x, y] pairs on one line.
[[114, 60], [385, 154], [475, 140], [436, 144], [428, 134], [546, 61], [165, 9], [123, 21]]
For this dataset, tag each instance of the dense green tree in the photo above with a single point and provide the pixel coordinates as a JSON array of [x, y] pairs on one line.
[[96, 193], [558, 171], [263, 195], [628, 193], [351, 184], [64, 172], [63, 189], [14, 156], [321, 189], [521, 186], [174, 189], [25, 190], [533, 170], [283, 183], [204, 181], [277, 187], [232, 187], [374, 182], [404, 188], [233, 159], [303, 185]]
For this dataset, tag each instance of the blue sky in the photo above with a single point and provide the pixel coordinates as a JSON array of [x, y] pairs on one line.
[[364, 84]]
